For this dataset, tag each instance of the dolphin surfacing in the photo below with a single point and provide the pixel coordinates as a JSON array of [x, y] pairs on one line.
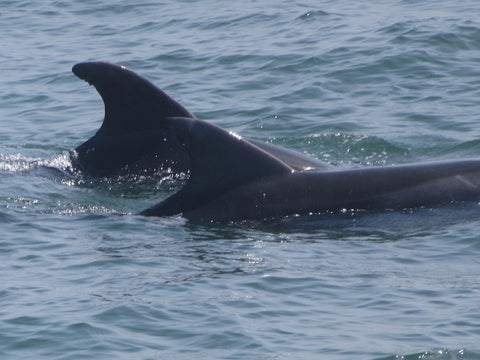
[[233, 179], [136, 135]]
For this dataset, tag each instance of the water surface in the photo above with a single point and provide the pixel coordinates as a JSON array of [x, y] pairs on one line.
[[347, 82]]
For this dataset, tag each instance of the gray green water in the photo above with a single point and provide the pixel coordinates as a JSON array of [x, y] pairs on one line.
[[367, 83]]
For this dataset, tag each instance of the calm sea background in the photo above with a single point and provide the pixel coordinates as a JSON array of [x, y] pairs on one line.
[[350, 82]]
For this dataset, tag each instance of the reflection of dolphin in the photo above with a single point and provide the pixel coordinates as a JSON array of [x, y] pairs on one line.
[[235, 179], [134, 137]]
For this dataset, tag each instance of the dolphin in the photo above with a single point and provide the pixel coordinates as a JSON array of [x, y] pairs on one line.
[[134, 137], [232, 179]]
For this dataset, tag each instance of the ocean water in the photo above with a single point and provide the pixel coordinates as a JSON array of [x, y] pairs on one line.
[[348, 82]]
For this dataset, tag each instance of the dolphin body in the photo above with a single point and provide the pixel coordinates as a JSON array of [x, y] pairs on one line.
[[234, 179]]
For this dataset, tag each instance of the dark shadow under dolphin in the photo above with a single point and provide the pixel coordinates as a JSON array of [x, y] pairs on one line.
[[233, 179]]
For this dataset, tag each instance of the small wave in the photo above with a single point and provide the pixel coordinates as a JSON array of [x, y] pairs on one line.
[[458, 38], [313, 14], [402, 28], [60, 161], [59, 169], [72, 209], [342, 148], [6, 217], [18, 163], [441, 354]]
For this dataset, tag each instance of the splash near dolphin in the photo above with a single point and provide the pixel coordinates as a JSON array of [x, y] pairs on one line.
[[232, 178]]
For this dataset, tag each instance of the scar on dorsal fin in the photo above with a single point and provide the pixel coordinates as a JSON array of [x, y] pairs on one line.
[[132, 103], [220, 161]]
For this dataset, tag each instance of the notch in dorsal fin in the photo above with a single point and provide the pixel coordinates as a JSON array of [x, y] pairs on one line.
[[220, 161], [132, 103]]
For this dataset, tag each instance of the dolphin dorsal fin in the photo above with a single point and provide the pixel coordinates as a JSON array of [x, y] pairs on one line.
[[132, 103], [220, 161]]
